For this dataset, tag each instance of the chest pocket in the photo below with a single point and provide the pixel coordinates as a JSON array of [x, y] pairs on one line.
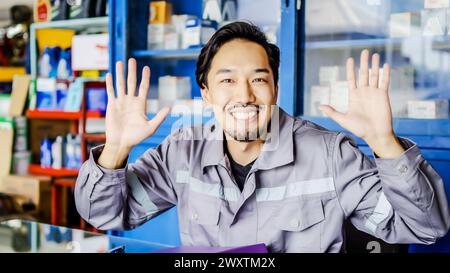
[[203, 218], [300, 224]]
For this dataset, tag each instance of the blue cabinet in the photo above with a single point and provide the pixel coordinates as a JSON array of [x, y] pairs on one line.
[[410, 36]]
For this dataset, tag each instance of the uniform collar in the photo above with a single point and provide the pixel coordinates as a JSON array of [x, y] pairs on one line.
[[278, 149]]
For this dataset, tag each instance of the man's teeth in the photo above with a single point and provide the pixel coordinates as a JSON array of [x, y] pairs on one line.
[[244, 115]]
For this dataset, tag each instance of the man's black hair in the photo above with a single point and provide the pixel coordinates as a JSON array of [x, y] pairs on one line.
[[235, 30]]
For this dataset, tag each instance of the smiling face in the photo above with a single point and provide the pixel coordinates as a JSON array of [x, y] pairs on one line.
[[241, 89]]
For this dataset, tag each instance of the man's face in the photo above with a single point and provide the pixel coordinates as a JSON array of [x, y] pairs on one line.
[[241, 89]]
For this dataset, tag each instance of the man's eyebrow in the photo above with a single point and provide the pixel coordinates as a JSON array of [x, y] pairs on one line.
[[224, 70], [262, 70]]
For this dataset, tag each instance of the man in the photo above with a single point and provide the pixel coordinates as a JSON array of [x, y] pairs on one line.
[[258, 175]]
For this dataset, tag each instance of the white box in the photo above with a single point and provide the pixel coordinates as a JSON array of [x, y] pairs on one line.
[[179, 22], [157, 34], [319, 95], [330, 74], [434, 22], [90, 52], [171, 41], [428, 109], [403, 24], [436, 4], [198, 32], [5, 104], [174, 88], [339, 96]]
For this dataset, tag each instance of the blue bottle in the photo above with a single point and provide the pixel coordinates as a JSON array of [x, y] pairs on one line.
[[64, 68], [46, 153]]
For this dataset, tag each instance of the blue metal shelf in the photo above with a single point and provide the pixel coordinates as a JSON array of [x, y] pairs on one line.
[[372, 42], [190, 53], [376, 42], [430, 135]]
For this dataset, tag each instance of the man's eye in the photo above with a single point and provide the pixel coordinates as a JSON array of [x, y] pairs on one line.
[[259, 80], [227, 81]]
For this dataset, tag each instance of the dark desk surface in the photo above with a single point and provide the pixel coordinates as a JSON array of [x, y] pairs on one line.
[[29, 236]]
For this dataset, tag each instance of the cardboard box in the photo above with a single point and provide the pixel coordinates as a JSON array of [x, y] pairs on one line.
[[30, 188], [6, 145], [436, 4], [41, 128], [160, 12], [434, 22], [319, 95], [19, 94], [90, 52], [403, 24], [428, 109]]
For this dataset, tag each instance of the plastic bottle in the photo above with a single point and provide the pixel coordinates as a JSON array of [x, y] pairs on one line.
[[70, 152], [57, 154], [64, 70], [46, 153], [44, 63]]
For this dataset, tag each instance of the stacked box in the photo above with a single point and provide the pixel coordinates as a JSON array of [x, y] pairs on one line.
[[403, 24], [428, 109]]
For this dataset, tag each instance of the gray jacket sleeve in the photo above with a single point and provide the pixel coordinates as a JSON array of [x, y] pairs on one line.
[[399, 200], [124, 198]]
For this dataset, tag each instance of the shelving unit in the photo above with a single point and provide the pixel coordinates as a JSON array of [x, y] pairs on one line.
[[97, 23], [40, 114], [190, 53], [57, 173], [426, 54]]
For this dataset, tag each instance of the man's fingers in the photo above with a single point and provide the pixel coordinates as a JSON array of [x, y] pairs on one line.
[[120, 82], [333, 114], [364, 68], [351, 78], [145, 83], [375, 72], [110, 87], [155, 122], [386, 77], [131, 78]]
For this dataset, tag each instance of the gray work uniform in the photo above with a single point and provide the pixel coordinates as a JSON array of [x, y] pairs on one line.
[[301, 188]]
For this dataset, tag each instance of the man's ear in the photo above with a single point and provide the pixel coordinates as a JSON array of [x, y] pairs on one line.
[[205, 95]]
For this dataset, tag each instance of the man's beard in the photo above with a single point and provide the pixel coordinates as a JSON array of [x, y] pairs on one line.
[[248, 136], [260, 132]]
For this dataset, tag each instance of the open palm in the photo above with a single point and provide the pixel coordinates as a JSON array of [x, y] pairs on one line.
[[126, 120], [369, 114]]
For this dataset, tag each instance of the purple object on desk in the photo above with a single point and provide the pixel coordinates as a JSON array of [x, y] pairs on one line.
[[259, 248]]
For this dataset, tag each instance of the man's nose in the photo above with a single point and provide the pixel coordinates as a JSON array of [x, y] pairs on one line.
[[244, 93]]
